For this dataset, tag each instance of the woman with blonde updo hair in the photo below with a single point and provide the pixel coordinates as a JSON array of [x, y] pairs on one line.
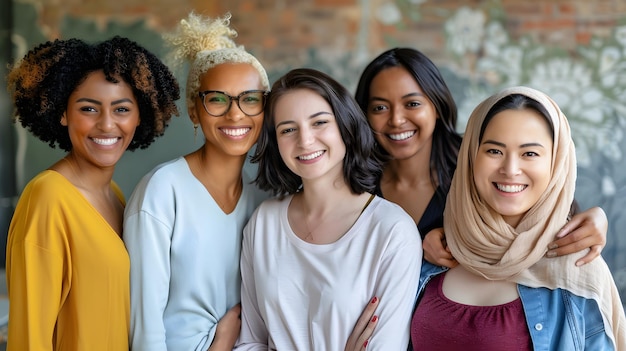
[[184, 220]]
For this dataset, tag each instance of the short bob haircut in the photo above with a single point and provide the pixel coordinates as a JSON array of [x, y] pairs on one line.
[[446, 141], [362, 164], [41, 83]]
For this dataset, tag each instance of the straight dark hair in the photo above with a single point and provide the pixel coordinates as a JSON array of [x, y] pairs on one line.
[[516, 102], [362, 164], [446, 141]]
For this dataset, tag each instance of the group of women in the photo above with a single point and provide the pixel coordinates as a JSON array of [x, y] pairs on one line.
[[324, 247]]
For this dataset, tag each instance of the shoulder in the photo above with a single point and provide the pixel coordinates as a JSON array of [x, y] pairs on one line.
[[155, 184], [47, 185], [164, 175], [390, 214]]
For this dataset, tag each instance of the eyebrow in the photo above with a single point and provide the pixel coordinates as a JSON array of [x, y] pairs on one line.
[[316, 114], [403, 96], [497, 143], [116, 102]]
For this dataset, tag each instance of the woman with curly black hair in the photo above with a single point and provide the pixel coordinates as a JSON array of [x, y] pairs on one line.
[[67, 267]]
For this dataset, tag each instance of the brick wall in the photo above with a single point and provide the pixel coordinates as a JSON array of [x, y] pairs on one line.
[[283, 30]]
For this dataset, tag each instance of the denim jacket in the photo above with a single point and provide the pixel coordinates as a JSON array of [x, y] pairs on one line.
[[557, 319]]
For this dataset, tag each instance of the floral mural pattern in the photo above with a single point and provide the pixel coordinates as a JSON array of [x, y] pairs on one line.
[[588, 83]]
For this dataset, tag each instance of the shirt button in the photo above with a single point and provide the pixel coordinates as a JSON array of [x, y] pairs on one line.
[[538, 326]]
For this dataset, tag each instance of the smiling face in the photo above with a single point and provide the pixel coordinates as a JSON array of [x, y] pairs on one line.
[[401, 115], [101, 119], [513, 164], [233, 133], [308, 136]]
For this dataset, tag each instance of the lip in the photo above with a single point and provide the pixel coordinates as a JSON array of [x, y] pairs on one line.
[[401, 136], [105, 141], [510, 188], [236, 132], [311, 156]]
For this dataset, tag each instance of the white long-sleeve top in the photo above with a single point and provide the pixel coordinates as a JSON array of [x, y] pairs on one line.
[[301, 296], [184, 258]]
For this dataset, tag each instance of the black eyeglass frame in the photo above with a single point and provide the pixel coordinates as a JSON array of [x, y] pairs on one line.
[[203, 94]]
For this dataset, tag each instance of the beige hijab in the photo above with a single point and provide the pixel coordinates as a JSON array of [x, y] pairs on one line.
[[485, 244]]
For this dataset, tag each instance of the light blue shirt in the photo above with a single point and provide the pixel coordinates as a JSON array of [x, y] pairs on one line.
[[557, 319], [184, 252]]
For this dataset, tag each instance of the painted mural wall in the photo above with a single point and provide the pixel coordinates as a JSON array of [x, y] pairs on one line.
[[478, 47]]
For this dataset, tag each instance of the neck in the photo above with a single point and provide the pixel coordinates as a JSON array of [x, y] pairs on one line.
[[86, 176], [224, 170], [415, 169]]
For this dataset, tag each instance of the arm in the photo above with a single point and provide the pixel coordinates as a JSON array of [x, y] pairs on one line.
[[227, 330], [397, 283], [254, 334], [436, 251], [36, 272], [148, 243], [364, 327], [585, 230]]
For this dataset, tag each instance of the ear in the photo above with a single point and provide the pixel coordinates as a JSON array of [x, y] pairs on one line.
[[64, 119], [191, 111]]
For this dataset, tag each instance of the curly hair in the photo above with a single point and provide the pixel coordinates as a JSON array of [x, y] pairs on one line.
[[41, 83], [362, 164], [446, 141], [205, 43]]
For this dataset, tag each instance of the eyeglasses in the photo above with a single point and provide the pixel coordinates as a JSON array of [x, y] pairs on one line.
[[218, 103]]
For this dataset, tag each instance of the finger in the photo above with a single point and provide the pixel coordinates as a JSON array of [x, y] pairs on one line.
[[570, 238], [571, 248], [574, 223], [356, 339], [363, 340], [590, 256], [449, 263]]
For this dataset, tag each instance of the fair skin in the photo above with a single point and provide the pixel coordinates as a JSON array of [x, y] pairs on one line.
[[311, 146], [101, 119], [403, 120], [511, 172], [219, 162]]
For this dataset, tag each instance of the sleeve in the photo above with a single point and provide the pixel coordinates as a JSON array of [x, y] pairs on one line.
[[148, 241], [596, 335], [254, 334], [37, 270], [397, 285]]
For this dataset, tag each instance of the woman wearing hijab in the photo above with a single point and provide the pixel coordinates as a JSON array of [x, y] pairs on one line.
[[511, 193]]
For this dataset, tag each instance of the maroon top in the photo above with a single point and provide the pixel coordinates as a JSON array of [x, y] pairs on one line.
[[440, 324]]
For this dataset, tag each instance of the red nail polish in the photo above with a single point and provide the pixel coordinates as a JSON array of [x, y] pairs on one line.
[[365, 344], [374, 299], [374, 319]]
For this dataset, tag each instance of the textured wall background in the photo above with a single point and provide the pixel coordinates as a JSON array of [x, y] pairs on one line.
[[574, 50]]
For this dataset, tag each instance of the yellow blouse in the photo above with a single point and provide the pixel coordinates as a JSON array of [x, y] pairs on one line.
[[67, 272]]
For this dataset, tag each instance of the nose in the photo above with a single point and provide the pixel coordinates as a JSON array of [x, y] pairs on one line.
[[305, 137], [106, 121], [510, 166], [397, 118], [234, 113]]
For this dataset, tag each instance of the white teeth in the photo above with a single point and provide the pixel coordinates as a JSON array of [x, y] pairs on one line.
[[236, 132], [311, 156], [510, 188], [106, 142], [401, 136]]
